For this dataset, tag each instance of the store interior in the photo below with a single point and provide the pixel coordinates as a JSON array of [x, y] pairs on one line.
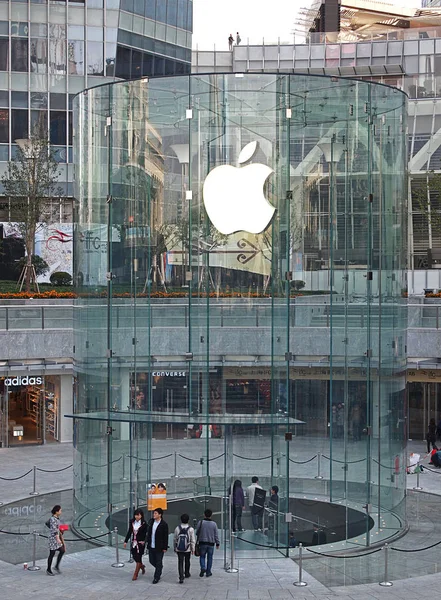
[[32, 412]]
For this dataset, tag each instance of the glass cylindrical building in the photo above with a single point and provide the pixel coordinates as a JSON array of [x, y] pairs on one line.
[[240, 256]]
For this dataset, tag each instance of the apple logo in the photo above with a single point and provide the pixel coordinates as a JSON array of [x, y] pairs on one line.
[[234, 198]]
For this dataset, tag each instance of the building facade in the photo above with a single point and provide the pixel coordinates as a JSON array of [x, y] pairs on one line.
[[50, 51], [196, 346]]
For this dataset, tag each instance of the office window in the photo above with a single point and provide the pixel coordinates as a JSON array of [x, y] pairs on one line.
[[147, 65], [39, 121], [95, 34], [161, 11], [20, 29], [38, 100], [19, 124], [172, 12], [110, 59], [4, 54], [4, 126], [95, 61], [136, 65], [75, 32], [150, 9], [19, 55], [19, 99], [75, 57], [182, 14], [57, 56], [123, 57], [58, 127], [38, 55], [4, 98]]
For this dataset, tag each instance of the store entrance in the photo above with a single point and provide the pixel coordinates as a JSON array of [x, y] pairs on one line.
[[30, 410]]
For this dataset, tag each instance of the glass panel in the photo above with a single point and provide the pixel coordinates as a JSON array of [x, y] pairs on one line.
[[75, 53], [225, 331], [95, 65], [57, 124], [19, 124], [38, 55], [4, 126], [19, 55]]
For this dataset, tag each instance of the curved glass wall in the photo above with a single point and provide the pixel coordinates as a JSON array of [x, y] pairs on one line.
[[240, 255]]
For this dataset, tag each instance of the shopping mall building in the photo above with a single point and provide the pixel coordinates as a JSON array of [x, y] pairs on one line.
[[241, 262]]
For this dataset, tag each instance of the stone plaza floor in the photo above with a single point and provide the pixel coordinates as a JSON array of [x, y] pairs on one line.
[[88, 574]]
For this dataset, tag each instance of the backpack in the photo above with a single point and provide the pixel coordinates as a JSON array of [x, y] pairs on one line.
[[183, 544]]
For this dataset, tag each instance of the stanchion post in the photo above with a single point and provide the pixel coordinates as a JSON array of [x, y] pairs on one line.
[[34, 567], [418, 487], [175, 470], [231, 568], [386, 582], [124, 478], [300, 582], [117, 564], [34, 487], [319, 466]]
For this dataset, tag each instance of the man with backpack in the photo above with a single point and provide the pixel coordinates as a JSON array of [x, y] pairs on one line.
[[184, 542]]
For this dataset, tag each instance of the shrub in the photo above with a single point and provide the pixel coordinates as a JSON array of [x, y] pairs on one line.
[[61, 278], [297, 284], [40, 265]]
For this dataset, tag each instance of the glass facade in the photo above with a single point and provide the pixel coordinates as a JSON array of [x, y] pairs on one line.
[[195, 349]]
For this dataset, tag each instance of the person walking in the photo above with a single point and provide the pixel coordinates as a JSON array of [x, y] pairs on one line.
[[208, 537], [55, 540], [431, 435], [255, 515], [137, 531], [238, 39], [230, 42], [157, 542], [238, 499], [184, 543]]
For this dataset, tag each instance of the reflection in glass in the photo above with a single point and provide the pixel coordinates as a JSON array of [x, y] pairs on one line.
[[4, 126], [19, 124], [57, 56], [4, 53], [75, 56], [19, 55], [57, 127], [39, 121], [95, 63], [38, 55]]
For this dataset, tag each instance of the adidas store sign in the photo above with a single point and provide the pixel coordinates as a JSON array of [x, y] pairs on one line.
[[16, 381]]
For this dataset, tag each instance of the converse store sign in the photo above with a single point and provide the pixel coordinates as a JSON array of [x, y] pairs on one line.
[[18, 381]]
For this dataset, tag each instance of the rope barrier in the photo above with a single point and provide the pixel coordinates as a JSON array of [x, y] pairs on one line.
[[350, 556], [303, 462], [190, 459], [216, 457], [13, 532], [247, 458], [344, 462], [162, 457], [16, 478], [383, 466], [431, 470], [54, 470], [417, 549]]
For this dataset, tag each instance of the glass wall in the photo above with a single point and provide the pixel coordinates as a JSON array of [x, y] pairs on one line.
[[205, 204]]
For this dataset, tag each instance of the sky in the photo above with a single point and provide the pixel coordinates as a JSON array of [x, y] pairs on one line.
[[214, 20]]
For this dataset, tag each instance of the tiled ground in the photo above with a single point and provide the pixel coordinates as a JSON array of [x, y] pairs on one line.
[[88, 574]]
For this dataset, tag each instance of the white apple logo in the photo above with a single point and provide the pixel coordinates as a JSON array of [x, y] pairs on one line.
[[234, 198]]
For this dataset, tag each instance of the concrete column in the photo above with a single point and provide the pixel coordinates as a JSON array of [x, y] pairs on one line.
[[66, 408]]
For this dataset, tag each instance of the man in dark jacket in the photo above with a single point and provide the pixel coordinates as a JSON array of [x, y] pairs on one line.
[[157, 542]]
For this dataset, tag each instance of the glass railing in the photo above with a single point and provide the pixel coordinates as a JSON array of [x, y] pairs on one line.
[[224, 315]]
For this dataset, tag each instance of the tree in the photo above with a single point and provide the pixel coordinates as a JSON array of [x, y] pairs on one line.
[[30, 181]]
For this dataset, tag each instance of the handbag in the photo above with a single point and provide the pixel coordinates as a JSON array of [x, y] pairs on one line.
[[197, 550]]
